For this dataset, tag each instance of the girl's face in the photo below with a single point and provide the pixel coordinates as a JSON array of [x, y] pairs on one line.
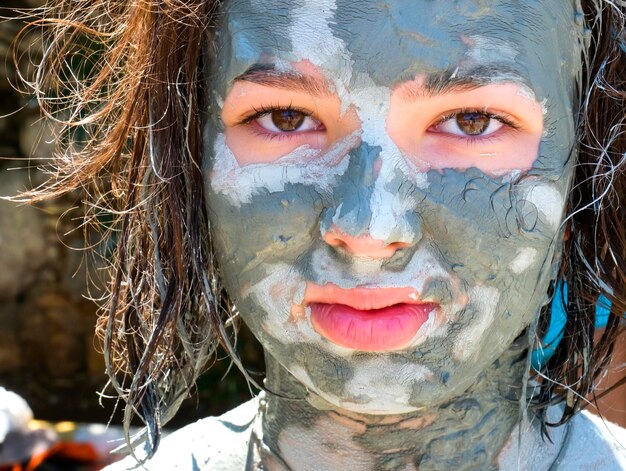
[[386, 184]]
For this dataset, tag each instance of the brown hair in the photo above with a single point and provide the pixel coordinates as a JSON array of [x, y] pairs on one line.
[[141, 104], [594, 255]]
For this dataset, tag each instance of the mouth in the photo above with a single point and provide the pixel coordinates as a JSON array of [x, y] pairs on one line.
[[367, 319]]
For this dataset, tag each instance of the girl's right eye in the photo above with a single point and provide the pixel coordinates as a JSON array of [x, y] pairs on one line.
[[472, 123], [285, 120]]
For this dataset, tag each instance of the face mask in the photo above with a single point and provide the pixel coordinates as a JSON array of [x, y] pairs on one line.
[[386, 188]]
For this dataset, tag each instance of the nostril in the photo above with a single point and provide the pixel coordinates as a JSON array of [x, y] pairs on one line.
[[398, 245], [334, 241], [362, 245]]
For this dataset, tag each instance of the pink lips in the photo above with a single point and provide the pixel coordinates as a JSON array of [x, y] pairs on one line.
[[367, 319]]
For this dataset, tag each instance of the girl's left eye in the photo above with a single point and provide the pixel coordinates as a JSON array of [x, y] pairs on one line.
[[470, 124], [286, 120]]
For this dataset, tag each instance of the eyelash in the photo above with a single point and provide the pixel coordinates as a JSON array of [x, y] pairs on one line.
[[262, 111], [265, 109], [507, 120]]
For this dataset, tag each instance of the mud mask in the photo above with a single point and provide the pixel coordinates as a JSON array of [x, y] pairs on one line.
[[386, 188]]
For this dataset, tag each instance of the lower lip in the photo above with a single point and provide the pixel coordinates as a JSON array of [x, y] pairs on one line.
[[375, 330]]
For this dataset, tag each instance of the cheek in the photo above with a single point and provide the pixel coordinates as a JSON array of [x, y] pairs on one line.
[[483, 302], [543, 198], [240, 183], [263, 213], [270, 308], [494, 160], [501, 240], [525, 258], [510, 142], [489, 229], [261, 246]]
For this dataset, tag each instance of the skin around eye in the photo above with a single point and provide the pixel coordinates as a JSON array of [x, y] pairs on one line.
[[263, 124], [495, 128]]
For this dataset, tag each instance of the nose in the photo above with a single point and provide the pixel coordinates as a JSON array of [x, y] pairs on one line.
[[372, 215], [363, 245]]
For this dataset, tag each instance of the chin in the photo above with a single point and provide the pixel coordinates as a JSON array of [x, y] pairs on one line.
[[379, 386], [379, 406]]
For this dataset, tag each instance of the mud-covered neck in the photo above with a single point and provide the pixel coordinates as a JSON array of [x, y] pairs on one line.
[[302, 431]]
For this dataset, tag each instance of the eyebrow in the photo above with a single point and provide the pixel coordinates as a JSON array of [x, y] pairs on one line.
[[458, 80], [269, 76], [438, 83]]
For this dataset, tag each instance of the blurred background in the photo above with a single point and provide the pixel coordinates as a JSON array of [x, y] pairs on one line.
[[48, 354], [46, 324]]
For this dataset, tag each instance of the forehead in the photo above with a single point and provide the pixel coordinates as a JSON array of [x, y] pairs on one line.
[[538, 42]]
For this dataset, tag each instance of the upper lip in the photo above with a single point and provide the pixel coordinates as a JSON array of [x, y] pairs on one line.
[[361, 298]]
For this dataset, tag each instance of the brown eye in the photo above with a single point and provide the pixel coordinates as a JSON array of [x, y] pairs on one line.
[[287, 120], [470, 124], [473, 123]]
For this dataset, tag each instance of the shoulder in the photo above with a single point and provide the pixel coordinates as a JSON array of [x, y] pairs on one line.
[[585, 443], [593, 443], [215, 443]]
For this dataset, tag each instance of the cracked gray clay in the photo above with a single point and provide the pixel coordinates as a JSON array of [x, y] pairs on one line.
[[478, 241]]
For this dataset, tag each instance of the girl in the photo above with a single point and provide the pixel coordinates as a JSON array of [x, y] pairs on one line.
[[388, 193]]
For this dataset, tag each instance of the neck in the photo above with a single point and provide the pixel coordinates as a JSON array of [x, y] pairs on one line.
[[466, 432]]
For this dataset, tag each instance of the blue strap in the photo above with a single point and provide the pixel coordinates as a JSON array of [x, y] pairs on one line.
[[557, 324]]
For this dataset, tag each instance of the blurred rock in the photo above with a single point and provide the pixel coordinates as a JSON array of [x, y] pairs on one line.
[[37, 137], [35, 3], [52, 335], [23, 251], [10, 348], [47, 352]]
